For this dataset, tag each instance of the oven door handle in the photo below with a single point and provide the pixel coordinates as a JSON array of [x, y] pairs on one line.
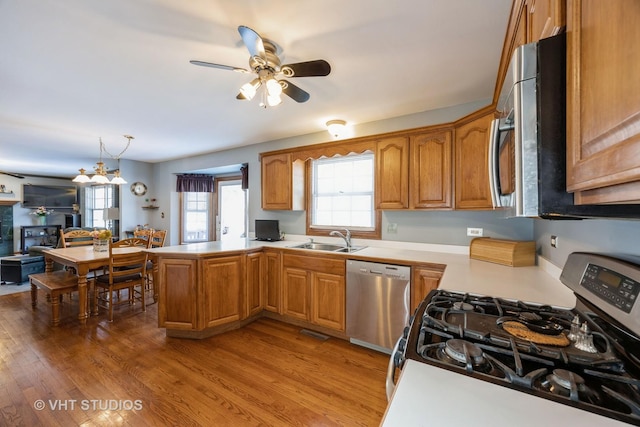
[[390, 383]]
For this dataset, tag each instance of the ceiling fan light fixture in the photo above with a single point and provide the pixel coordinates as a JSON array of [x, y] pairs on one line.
[[264, 61], [337, 128], [272, 101], [274, 88], [248, 90]]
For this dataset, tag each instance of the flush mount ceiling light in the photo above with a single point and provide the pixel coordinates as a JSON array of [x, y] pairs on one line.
[[100, 176], [337, 128]]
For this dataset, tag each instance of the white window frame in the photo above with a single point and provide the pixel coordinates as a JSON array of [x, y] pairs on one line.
[[202, 205], [97, 198], [350, 189]]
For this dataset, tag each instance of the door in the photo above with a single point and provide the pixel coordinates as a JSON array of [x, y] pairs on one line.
[[231, 216]]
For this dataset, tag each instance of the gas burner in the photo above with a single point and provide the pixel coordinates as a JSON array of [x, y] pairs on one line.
[[461, 305], [463, 351], [463, 354], [565, 379], [562, 382]]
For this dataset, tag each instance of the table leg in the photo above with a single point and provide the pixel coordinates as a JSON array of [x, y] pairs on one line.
[[48, 265], [82, 298]]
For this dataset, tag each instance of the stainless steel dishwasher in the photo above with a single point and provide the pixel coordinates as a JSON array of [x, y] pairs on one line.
[[377, 303]]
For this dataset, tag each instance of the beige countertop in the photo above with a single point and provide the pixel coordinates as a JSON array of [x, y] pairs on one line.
[[538, 284]]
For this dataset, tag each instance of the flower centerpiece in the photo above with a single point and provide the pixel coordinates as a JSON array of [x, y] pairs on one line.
[[101, 240], [41, 214]]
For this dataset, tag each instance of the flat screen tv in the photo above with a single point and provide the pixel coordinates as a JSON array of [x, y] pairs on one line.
[[49, 196]]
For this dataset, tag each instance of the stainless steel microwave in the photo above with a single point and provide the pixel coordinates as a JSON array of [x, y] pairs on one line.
[[527, 150]]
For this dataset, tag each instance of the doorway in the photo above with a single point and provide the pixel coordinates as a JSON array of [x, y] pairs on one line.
[[231, 212]]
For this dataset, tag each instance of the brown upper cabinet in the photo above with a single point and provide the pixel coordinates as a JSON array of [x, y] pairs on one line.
[[530, 21], [472, 164], [392, 173], [414, 172], [282, 182], [545, 18], [430, 178], [603, 101]]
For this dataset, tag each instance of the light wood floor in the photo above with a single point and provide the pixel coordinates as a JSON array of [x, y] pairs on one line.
[[129, 373]]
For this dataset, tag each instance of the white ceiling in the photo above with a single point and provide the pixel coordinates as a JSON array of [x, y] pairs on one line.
[[73, 71]]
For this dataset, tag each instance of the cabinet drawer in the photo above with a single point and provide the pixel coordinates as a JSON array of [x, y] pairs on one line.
[[315, 263]]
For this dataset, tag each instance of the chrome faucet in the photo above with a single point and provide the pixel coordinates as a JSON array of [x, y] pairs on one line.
[[346, 236]]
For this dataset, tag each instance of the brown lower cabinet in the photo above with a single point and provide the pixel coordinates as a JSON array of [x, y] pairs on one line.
[[207, 294], [222, 280], [255, 273], [423, 281], [273, 283], [313, 289]]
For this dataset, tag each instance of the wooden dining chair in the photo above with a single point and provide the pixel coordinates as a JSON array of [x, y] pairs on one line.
[[127, 270], [145, 234], [156, 241], [76, 238], [131, 242], [157, 238]]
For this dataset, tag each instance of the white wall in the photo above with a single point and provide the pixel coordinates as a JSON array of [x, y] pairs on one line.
[[131, 212], [588, 235]]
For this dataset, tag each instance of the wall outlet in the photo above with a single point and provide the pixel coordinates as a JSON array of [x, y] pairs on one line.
[[554, 241], [392, 228], [474, 232]]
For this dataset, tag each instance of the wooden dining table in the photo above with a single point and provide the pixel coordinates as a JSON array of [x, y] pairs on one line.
[[82, 259]]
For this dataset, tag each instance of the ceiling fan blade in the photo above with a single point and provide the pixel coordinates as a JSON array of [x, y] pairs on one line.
[[223, 67], [12, 174], [294, 92], [253, 41], [319, 67]]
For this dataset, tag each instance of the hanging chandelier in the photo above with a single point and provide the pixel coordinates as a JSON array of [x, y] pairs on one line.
[[100, 174]]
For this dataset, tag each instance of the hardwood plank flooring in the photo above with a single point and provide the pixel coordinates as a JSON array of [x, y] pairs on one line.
[[129, 373]]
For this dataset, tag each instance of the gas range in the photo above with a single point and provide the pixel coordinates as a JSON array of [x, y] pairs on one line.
[[586, 357]]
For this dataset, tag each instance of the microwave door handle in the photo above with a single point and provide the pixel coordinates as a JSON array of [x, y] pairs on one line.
[[494, 144]]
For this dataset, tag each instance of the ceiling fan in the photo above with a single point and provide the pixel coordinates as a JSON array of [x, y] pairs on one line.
[[264, 62]]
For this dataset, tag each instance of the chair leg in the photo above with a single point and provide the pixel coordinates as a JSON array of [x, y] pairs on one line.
[[95, 298], [143, 292], [111, 304]]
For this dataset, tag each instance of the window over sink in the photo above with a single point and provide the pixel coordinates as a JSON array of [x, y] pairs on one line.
[[343, 195]]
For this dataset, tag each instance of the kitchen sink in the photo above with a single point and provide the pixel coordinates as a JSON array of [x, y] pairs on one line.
[[351, 249], [327, 247]]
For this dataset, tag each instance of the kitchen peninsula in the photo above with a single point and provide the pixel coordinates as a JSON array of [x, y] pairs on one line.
[[208, 288]]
